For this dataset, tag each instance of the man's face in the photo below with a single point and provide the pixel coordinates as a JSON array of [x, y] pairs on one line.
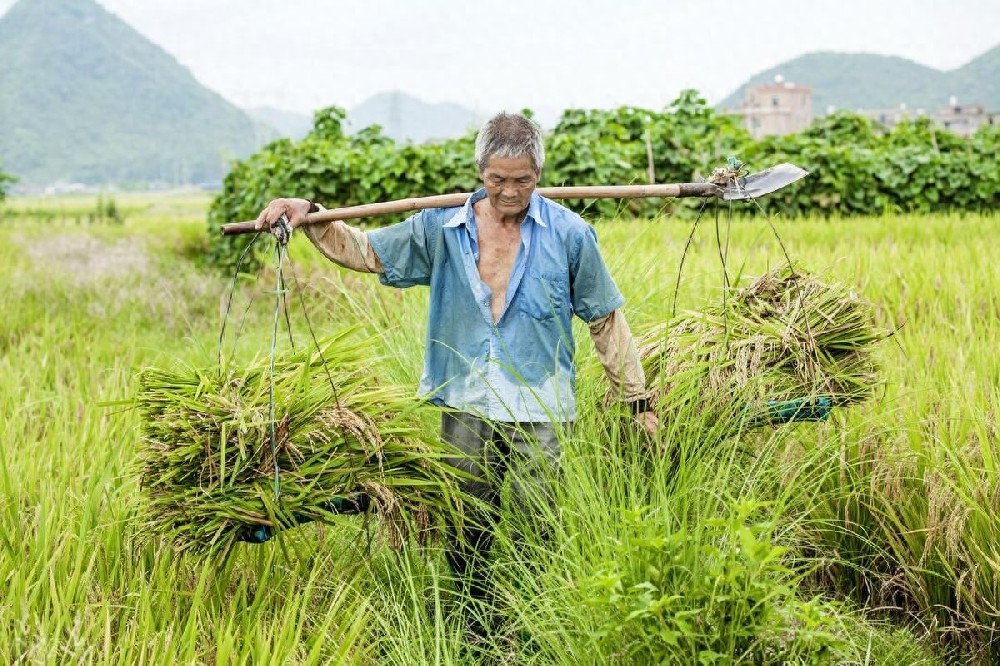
[[509, 183]]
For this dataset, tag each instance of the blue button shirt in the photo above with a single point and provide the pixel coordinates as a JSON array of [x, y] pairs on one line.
[[521, 367]]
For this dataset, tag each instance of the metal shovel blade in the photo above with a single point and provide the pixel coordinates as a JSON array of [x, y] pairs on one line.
[[764, 182]]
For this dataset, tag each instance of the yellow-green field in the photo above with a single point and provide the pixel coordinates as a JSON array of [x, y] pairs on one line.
[[873, 538]]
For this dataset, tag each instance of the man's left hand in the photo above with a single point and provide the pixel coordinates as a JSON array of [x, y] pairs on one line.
[[650, 423]]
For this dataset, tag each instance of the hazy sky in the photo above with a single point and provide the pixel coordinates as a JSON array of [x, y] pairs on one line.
[[545, 54]]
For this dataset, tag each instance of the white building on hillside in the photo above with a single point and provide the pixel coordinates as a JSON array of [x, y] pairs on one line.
[[778, 108]]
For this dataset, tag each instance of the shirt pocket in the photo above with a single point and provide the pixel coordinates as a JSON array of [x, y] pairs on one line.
[[544, 294]]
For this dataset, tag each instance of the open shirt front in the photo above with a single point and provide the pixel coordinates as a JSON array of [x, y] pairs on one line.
[[519, 368]]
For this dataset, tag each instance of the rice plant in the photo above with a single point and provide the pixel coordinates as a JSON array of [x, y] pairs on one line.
[[230, 449], [887, 510], [787, 347]]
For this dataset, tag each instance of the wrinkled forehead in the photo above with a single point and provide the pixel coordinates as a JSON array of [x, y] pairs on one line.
[[509, 167]]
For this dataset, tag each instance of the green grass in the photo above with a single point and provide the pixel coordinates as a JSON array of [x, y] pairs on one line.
[[870, 539]]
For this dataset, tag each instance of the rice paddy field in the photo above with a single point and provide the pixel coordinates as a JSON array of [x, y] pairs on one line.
[[870, 538]]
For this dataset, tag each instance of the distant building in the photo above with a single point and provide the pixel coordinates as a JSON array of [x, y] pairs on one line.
[[777, 108], [891, 117], [964, 120]]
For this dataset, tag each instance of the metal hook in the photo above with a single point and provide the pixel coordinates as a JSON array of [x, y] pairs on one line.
[[282, 230]]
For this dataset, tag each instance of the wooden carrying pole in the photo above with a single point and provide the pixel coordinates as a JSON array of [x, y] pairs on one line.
[[666, 190]]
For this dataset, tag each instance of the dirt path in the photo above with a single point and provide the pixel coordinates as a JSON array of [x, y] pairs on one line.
[[87, 259]]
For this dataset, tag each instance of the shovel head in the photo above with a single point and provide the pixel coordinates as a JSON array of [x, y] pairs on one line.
[[764, 182]]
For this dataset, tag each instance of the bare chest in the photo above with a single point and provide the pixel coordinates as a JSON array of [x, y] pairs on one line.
[[498, 247]]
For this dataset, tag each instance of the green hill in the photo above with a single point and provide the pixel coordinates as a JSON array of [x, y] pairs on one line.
[[401, 116], [866, 81], [85, 98], [289, 124], [980, 80], [404, 117]]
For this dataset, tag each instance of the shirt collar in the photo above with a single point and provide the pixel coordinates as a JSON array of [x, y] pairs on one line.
[[464, 215]]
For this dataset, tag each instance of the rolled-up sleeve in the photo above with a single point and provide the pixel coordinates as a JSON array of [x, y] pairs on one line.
[[618, 354], [593, 290], [406, 251]]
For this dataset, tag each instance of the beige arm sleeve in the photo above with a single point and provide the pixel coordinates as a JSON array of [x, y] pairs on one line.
[[616, 349], [344, 245]]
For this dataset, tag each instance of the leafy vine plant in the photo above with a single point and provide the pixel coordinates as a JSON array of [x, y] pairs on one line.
[[858, 167]]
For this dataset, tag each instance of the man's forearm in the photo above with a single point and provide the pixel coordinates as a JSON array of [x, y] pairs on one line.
[[617, 352], [344, 245]]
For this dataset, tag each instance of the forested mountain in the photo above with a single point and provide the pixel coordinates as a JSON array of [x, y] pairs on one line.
[[404, 117], [290, 124], [866, 81], [401, 116], [86, 98]]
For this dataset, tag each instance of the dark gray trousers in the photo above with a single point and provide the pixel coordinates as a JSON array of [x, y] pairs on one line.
[[524, 455]]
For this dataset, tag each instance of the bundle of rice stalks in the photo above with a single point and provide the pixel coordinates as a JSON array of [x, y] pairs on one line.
[[212, 468], [787, 339]]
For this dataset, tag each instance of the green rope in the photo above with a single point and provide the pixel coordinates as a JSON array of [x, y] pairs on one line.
[[280, 307], [279, 292], [232, 292]]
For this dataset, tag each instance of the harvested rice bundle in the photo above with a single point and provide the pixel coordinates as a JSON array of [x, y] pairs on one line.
[[787, 339], [207, 460]]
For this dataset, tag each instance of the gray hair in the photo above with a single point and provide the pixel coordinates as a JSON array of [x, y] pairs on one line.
[[510, 135]]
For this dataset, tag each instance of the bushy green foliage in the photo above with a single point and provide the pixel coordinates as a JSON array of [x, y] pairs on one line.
[[5, 180], [857, 167], [105, 209], [336, 169], [605, 147], [737, 602]]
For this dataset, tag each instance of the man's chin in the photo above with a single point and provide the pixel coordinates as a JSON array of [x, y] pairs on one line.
[[511, 209]]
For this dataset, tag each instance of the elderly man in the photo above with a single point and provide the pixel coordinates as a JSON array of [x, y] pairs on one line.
[[506, 272]]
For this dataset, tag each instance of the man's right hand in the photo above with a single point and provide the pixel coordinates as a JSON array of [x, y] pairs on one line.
[[294, 210]]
